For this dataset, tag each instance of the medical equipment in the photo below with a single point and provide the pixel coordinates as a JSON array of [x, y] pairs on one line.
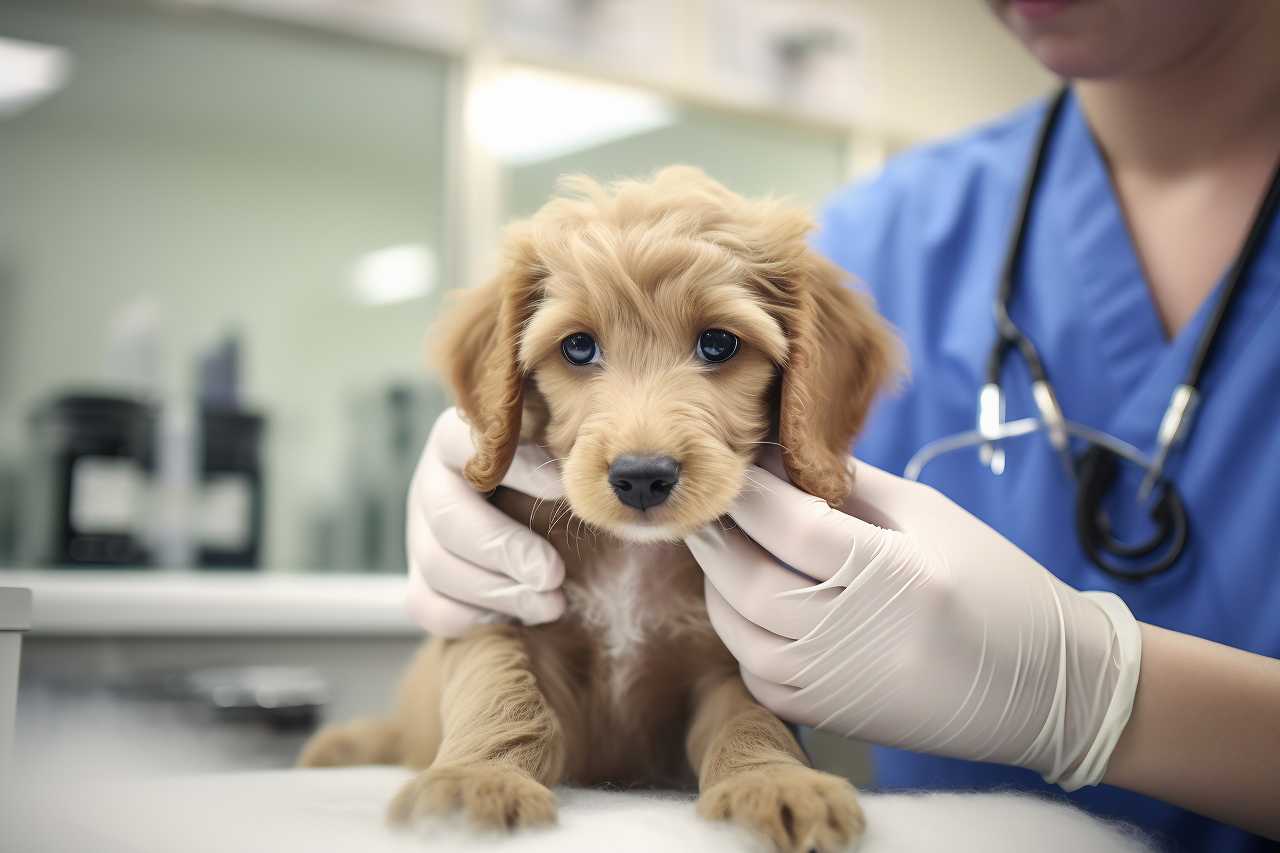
[[91, 460], [1095, 469]]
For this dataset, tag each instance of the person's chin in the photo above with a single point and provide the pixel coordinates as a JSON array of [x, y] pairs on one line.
[[1071, 61], [1067, 37]]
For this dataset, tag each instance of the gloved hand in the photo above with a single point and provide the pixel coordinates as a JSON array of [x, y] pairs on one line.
[[919, 627], [468, 562]]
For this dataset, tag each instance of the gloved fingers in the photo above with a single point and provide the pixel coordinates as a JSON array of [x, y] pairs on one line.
[[756, 586], [468, 584], [887, 500], [532, 471], [464, 523], [439, 615], [755, 648], [801, 530], [781, 699]]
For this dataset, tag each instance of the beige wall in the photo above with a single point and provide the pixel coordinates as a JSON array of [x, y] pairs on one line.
[[943, 66], [752, 156]]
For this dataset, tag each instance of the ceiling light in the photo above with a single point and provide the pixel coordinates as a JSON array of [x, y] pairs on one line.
[[30, 72], [394, 274], [524, 116]]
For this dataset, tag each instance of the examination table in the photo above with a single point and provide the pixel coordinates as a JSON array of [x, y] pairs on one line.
[[341, 810]]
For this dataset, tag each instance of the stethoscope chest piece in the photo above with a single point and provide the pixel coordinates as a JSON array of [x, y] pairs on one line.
[[1096, 472]]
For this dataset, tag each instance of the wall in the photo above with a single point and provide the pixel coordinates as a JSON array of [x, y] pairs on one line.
[[229, 173], [939, 66], [751, 156], [943, 66]]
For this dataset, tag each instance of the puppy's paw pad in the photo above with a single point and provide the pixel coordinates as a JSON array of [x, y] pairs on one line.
[[795, 808], [491, 798]]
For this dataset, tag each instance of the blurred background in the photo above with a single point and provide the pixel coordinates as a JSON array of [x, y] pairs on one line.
[[225, 226]]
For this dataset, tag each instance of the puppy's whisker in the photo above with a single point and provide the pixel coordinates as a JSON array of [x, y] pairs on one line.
[[785, 449], [537, 504], [561, 511], [756, 483], [578, 537], [549, 461]]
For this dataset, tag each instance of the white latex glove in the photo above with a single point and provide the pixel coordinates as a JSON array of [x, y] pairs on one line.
[[468, 561], [938, 635]]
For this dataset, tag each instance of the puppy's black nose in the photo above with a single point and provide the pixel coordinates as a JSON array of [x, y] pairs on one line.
[[643, 481]]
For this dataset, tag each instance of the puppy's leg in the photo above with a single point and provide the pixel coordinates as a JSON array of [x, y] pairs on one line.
[[501, 745], [371, 741], [410, 737], [752, 772]]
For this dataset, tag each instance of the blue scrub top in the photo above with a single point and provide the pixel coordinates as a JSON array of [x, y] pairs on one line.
[[928, 236]]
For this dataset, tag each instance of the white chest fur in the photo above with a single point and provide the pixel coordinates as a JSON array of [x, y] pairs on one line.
[[629, 603]]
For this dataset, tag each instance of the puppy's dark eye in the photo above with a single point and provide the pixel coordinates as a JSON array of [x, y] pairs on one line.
[[717, 345], [580, 348]]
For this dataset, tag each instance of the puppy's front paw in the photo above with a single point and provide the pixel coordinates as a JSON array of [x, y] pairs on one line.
[[797, 808], [333, 746], [491, 797]]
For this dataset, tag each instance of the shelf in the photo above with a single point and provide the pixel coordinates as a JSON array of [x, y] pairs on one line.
[[172, 603]]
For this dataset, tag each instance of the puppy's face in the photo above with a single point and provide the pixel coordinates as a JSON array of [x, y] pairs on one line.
[[657, 376], [653, 336]]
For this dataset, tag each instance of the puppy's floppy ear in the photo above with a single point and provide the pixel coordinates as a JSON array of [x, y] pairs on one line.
[[842, 354], [476, 348]]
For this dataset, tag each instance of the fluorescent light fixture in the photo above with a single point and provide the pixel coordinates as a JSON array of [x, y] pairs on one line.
[[394, 274], [525, 116], [30, 72]]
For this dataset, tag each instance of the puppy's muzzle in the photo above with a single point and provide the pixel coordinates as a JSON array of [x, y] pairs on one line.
[[643, 481]]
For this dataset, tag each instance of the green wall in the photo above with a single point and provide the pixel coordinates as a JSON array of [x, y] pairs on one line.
[[228, 172], [752, 156]]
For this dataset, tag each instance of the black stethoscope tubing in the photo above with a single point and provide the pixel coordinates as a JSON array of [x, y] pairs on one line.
[[1096, 468]]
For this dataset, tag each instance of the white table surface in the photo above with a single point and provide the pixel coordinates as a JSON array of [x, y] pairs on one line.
[[310, 811]]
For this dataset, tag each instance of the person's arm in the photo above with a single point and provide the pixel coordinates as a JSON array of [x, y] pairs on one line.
[[1205, 731], [929, 631]]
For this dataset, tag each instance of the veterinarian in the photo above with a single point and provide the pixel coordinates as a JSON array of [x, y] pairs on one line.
[[1109, 224]]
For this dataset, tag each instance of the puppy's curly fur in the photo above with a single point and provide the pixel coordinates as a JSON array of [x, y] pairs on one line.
[[632, 686]]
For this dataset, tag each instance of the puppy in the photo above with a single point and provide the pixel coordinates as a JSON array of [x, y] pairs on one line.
[[654, 337]]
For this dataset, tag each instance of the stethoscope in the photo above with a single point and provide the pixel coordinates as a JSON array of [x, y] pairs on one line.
[[1095, 469]]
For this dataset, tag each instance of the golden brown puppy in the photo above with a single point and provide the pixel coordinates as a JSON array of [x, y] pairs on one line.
[[653, 336]]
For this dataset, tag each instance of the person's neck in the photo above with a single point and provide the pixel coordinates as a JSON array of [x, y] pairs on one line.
[[1220, 102]]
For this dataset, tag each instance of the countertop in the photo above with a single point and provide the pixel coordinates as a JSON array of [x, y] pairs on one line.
[[15, 607], [193, 603]]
